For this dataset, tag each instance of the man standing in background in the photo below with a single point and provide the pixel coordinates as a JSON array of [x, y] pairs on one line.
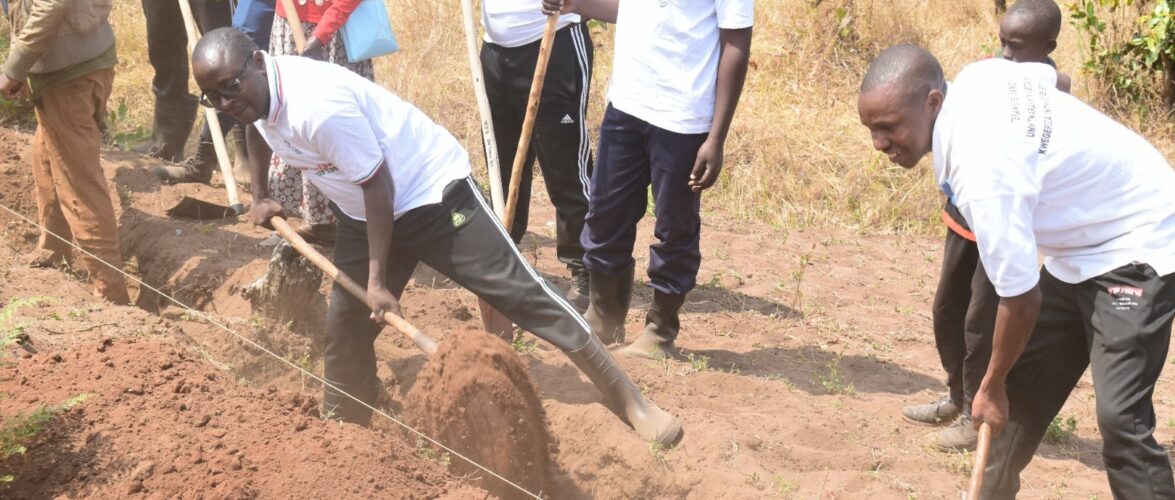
[[513, 31], [175, 108], [678, 72], [63, 57]]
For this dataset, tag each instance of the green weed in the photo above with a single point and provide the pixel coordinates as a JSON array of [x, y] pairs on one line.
[[657, 451], [1060, 431], [523, 346], [120, 132], [698, 363], [424, 450], [834, 382], [18, 430]]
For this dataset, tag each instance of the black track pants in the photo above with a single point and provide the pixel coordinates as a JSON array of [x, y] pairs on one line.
[[964, 317], [560, 139], [1119, 324], [462, 239]]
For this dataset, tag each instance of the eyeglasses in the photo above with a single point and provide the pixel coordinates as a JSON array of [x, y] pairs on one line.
[[213, 98]]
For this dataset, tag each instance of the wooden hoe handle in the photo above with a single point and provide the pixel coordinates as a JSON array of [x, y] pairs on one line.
[[532, 108], [422, 340], [981, 452], [295, 25]]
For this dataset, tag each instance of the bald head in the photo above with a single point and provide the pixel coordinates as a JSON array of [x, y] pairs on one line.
[[231, 74], [223, 46], [911, 68], [1044, 16], [901, 95]]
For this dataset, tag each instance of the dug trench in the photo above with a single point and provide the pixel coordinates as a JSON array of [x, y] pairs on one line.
[[801, 344]]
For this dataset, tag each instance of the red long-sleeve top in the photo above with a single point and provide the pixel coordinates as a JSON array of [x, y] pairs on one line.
[[329, 16]]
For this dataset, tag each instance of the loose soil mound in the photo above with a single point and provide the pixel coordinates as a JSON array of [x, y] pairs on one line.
[[162, 423], [477, 397]]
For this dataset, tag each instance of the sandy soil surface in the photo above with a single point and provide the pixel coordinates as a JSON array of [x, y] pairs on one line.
[[800, 346]]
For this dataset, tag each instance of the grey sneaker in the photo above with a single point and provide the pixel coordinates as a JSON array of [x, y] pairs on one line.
[[940, 412], [960, 436]]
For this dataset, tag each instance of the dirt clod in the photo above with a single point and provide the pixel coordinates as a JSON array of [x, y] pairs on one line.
[[476, 397]]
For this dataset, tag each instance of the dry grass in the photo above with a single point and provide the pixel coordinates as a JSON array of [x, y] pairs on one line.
[[797, 156]]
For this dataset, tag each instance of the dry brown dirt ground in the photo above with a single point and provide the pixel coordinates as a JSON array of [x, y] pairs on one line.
[[801, 345]]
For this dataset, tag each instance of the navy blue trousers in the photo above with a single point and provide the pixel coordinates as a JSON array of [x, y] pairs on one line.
[[633, 156]]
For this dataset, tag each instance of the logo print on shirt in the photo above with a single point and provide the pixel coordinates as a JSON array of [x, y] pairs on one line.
[[291, 146], [566, 120], [324, 169]]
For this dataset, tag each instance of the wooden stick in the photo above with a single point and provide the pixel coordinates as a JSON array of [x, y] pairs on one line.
[[532, 108], [488, 139], [295, 25], [422, 340], [222, 158], [981, 452]]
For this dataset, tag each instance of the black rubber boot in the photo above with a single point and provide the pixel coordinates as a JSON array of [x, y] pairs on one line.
[[198, 168], [173, 123], [337, 406], [662, 324], [623, 397], [610, 295]]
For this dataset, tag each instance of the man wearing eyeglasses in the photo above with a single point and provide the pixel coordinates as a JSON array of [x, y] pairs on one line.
[[400, 186], [62, 57]]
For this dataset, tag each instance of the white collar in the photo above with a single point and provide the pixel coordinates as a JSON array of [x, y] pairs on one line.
[[277, 100]]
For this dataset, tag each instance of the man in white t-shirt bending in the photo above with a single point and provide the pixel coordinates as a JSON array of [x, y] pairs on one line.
[[400, 187], [1033, 169], [677, 74]]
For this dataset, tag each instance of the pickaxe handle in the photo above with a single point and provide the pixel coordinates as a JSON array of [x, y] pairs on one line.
[[422, 340]]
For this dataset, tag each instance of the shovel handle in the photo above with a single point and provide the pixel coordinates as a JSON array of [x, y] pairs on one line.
[[226, 169], [489, 140], [422, 340], [295, 25], [532, 108], [981, 451]]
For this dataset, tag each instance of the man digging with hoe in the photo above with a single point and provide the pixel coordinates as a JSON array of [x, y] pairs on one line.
[[400, 186], [1034, 170]]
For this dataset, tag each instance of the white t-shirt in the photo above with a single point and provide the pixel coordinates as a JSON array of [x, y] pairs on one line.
[[338, 128], [665, 67], [1034, 169], [512, 23]]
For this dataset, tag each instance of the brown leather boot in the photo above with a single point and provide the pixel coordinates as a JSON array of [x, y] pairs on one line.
[[662, 324], [610, 295], [624, 398]]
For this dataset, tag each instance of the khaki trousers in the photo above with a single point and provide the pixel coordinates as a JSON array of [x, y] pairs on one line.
[[72, 197]]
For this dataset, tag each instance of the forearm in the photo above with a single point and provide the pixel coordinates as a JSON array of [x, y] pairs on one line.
[[602, 10], [259, 159], [733, 59], [379, 201], [34, 37], [334, 18], [1015, 319]]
